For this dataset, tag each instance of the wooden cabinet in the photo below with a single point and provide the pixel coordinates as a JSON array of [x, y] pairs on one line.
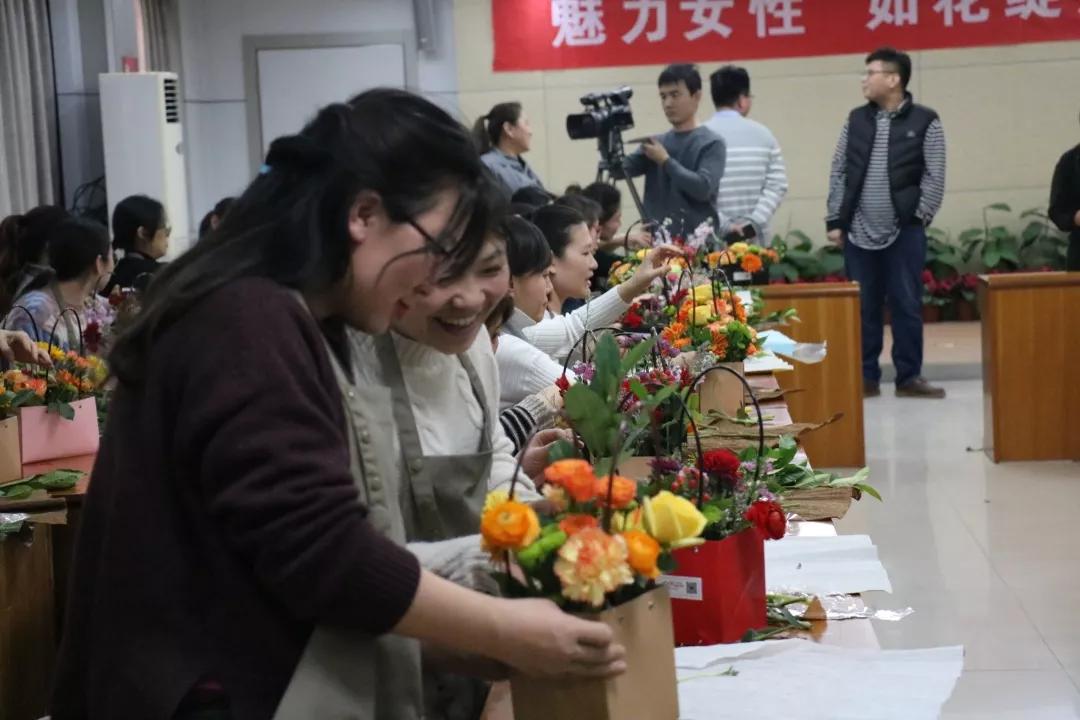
[[1031, 354]]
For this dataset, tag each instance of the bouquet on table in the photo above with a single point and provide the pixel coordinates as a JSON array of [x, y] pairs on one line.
[[713, 320], [601, 546], [745, 263], [57, 410]]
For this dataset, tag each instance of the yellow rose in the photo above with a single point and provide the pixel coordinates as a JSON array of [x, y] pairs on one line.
[[673, 520], [702, 294], [701, 314], [739, 248]]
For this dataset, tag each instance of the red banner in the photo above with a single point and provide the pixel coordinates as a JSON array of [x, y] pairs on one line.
[[563, 34]]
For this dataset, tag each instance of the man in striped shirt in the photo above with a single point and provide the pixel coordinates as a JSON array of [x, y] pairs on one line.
[[886, 186], [754, 181]]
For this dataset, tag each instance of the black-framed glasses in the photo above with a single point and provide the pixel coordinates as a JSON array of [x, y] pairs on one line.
[[433, 245]]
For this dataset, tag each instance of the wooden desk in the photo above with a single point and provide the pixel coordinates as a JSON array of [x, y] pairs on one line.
[[1031, 353], [829, 312]]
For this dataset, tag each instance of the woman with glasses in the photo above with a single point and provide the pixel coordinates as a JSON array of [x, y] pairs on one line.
[[141, 232], [241, 553]]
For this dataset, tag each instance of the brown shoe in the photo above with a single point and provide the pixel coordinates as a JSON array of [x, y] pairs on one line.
[[920, 388], [870, 388]]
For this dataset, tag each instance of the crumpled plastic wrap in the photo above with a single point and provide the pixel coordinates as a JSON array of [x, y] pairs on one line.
[[845, 607]]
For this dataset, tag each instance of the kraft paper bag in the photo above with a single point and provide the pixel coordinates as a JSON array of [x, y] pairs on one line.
[[722, 391], [47, 436], [646, 690], [10, 456]]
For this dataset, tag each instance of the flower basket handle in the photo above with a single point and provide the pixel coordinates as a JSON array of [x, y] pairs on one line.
[[760, 424]]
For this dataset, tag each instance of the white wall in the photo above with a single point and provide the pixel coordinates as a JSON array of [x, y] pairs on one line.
[[212, 80]]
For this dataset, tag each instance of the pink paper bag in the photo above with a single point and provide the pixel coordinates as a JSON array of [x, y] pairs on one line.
[[47, 436]]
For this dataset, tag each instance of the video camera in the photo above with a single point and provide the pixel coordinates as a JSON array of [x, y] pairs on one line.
[[605, 113]]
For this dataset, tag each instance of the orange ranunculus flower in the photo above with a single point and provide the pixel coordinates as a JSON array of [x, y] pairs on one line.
[[682, 343], [740, 310], [751, 349], [751, 263], [623, 491], [509, 526], [573, 524], [643, 552], [727, 257], [574, 476], [713, 258]]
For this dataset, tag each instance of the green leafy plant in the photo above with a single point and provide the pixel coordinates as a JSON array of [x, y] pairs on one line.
[[995, 246], [785, 473], [1042, 245], [943, 258], [798, 260]]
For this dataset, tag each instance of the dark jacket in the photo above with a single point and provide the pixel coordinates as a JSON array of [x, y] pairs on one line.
[[906, 161], [1065, 202], [222, 523], [133, 271]]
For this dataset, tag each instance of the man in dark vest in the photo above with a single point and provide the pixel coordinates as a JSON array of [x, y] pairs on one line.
[[886, 185], [1065, 203]]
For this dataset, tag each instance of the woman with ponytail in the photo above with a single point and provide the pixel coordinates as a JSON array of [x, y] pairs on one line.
[[23, 262], [502, 137]]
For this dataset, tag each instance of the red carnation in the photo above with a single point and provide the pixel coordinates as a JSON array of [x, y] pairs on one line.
[[92, 336], [769, 519], [563, 383], [723, 465], [632, 319]]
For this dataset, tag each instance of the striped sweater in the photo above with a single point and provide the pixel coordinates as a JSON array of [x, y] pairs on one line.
[[755, 180], [875, 225]]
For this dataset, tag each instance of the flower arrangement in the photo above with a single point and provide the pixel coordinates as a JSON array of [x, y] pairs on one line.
[[937, 292], [71, 378], [713, 320], [746, 256], [601, 547]]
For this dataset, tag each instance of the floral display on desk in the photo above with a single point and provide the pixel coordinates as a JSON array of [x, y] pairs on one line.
[[601, 547], [745, 256], [72, 377], [715, 321]]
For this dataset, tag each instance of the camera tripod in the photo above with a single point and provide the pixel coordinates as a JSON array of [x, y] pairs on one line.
[[610, 168]]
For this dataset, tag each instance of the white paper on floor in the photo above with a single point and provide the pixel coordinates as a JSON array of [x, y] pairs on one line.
[[802, 680], [824, 565]]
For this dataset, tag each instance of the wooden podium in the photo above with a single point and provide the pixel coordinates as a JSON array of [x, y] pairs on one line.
[[829, 313], [1031, 365]]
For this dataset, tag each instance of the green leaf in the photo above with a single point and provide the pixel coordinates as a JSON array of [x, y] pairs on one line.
[[787, 450], [805, 243], [591, 417], [22, 398], [639, 389], [635, 356], [1031, 233], [608, 375], [832, 264], [991, 257], [999, 206], [18, 492], [561, 450], [712, 513], [1034, 212], [971, 235], [869, 490], [790, 273], [62, 409]]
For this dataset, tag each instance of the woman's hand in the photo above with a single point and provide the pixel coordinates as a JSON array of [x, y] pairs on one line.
[[536, 453], [541, 640], [655, 265], [17, 346]]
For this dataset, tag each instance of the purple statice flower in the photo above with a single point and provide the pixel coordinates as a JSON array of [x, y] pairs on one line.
[[584, 371], [665, 465]]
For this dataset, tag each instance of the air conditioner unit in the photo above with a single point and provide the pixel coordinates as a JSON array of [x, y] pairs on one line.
[[143, 143]]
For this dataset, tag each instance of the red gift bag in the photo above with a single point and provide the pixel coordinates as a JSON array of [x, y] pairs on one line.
[[718, 591]]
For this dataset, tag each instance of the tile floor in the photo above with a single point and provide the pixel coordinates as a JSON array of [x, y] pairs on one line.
[[987, 555]]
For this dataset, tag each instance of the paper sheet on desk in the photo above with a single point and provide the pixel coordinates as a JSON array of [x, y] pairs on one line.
[[802, 680], [836, 565], [765, 362], [777, 342]]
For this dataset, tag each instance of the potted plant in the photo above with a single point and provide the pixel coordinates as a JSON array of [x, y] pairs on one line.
[[964, 298], [995, 247], [936, 297]]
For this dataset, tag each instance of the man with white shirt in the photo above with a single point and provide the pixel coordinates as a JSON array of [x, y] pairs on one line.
[[754, 181]]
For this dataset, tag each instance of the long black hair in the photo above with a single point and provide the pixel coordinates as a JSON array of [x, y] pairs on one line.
[[23, 240], [488, 129], [527, 250], [589, 208], [132, 213], [75, 245], [291, 223], [607, 196], [556, 221]]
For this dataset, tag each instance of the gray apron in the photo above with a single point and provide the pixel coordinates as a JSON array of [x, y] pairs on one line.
[[442, 497], [346, 673]]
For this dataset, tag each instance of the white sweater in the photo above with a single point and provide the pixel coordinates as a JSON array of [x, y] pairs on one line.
[[524, 370], [557, 334]]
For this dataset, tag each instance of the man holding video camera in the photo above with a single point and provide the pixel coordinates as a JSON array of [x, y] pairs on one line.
[[682, 167]]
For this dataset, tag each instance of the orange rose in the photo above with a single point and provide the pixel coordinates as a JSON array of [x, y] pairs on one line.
[[574, 476], [573, 524], [643, 552], [751, 263], [509, 525], [623, 491]]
